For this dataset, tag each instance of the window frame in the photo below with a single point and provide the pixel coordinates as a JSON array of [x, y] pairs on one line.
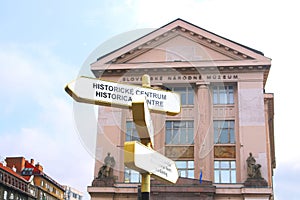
[[220, 131], [131, 172], [187, 169], [132, 134], [228, 93], [219, 172], [187, 93], [173, 134]]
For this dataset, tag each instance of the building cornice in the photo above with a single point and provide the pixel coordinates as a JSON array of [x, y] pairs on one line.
[[179, 27]]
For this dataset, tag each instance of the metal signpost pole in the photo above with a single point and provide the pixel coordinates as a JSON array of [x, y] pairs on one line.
[[145, 187]]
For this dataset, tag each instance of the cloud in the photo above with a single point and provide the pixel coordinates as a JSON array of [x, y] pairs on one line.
[[38, 114], [286, 181]]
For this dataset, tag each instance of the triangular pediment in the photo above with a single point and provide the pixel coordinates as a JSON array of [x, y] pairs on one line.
[[180, 41]]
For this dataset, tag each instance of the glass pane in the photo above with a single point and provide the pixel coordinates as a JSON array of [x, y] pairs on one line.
[[176, 124], [225, 176], [216, 132], [182, 135], [191, 174], [128, 125], [182, 124], [191, 99], [232, 165], [182, 173], [127, 177], [222, 95], [175, 139], [135, 176], [180, 89], [128, 138], [217, 164], [183, 99], [181, 164], [217, 176], [168, 125], [230, 95], [225, 164], [190, 124], [190, 136], [216, 136], [232, 137], [233, 176], [168, 136], [191, 164], [224, 136], [215, 95]]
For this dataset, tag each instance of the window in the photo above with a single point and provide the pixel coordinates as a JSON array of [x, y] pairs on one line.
[[131, 133], [185, 168], [224, 132], [74, 195], [11, 197], [186, 94], [131, 176], [179, 132], [225, 172], [223, 95], [5, 195]]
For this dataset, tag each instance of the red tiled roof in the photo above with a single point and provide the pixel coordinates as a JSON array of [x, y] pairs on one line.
[[12, 172]]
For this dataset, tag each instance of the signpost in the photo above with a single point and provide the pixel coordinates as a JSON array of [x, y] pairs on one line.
[[106, 93], [142, 119], [138, 156], [145, 160]]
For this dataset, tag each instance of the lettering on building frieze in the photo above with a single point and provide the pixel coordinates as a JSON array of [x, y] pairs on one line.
[[181, 77]]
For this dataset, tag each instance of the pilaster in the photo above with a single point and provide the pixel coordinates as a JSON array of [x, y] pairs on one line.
[[203, 152]]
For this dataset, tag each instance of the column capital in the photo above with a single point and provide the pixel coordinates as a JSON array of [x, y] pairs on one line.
[[202, 84]]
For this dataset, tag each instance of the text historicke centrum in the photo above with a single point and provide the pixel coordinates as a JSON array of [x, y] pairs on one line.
[[121, 93]]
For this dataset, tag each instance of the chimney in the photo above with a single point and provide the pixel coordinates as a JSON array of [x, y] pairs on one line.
[[17, 162], [40, 167], [32, 161]]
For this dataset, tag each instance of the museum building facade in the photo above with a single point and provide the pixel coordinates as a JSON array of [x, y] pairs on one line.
[[222, 141]]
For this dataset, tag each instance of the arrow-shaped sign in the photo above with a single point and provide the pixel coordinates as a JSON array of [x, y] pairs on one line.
[[145, 160], [142, 119], [100, 92]]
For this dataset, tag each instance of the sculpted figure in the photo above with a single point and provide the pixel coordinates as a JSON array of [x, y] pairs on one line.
[[107, 169], [251, 166], [253, 169]]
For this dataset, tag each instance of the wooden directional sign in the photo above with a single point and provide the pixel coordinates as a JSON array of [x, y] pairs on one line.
[[145, 160], [142, 119], [100, 92]]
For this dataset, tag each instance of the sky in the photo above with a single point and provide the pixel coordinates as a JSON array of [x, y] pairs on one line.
[[44, 44]]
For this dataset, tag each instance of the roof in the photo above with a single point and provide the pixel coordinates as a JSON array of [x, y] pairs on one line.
[[180, 23], [12, 172], [251, 49], [31, 169]]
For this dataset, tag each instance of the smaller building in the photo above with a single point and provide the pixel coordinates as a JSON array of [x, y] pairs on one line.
[[72, 193], [47, 188], [14, 186]]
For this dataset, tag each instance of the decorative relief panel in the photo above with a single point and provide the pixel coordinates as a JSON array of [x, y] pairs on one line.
[[186, 113], [224, 152], [224, 111], [179, 151]]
